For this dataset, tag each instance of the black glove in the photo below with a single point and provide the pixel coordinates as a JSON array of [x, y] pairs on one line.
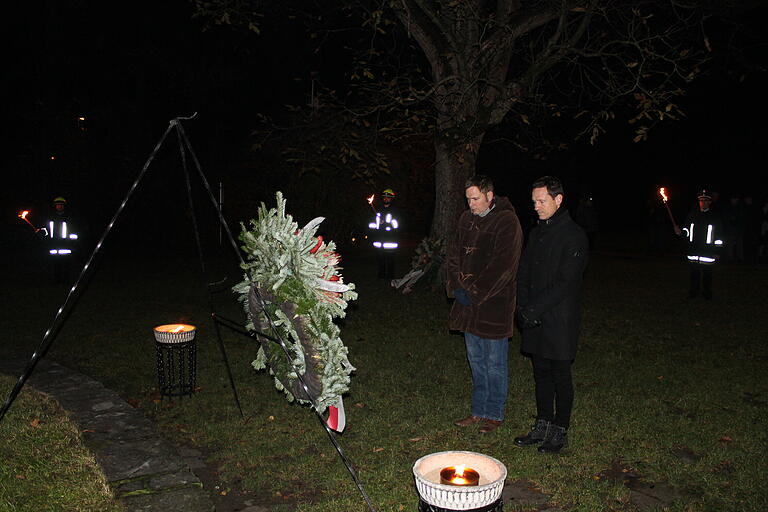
[[526, 322], [462, 297]]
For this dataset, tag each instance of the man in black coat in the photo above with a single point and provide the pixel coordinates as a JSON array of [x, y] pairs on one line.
[[548, 292]]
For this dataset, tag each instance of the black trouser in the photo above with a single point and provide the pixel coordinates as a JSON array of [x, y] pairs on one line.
[[701, 279], [62, 269], [554, 390], [385, 259]]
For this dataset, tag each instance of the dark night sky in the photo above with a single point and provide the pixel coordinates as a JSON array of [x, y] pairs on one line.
[[131, 70], [139, 67], [128, 72]]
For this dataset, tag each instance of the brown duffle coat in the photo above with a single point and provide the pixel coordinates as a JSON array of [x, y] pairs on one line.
[[483, 259]]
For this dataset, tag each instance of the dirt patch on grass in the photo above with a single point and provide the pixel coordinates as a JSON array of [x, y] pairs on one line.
[[523, 495], [229, 496], [645, 494], [685, 454]]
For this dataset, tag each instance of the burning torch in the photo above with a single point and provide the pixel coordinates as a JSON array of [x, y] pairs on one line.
[[23, 216], [664, 198], [377, 220], [370, 202]]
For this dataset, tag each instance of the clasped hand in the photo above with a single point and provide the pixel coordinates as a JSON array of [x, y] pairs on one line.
[[525, 321], [462, 297]]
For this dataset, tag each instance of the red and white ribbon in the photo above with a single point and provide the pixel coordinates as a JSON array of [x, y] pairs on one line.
[[336, 418]]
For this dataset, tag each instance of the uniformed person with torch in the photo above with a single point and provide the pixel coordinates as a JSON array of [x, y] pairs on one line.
[[61, 238], [385, 233], [703, 231]]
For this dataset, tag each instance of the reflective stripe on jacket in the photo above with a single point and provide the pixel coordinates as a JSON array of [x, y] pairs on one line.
[[702, 234], [385, 228], [60, 237]]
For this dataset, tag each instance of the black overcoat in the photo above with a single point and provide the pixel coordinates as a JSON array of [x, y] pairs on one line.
[[703, 232], [549, 286], [483, 259]]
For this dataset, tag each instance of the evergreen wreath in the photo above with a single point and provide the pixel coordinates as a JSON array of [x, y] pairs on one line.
[[292, 278], [426, 265]]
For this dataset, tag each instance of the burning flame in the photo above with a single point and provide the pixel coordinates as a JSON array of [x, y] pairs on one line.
[[370, 199], [458, 477], [663, 193], [23, 216], [175, 328]]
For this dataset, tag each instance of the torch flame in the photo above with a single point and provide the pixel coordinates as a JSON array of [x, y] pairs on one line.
[[23, 216], [370, 199], [663, 193]]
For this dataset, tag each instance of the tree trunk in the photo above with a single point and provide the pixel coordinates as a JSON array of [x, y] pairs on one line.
[[453, 165]]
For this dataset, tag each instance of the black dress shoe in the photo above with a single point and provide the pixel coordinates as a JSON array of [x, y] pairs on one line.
[[557, 440], [537, 434]]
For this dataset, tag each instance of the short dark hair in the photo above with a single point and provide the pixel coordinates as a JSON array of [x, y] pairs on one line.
[[480, 181], [554, 185]]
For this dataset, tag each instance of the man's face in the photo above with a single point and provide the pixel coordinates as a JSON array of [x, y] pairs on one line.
[[386, 200], [704, 203], [59, 207], [478, 202], [544, 204]]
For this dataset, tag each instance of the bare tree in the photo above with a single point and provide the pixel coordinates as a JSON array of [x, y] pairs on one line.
[[509, 60], [491, 63]]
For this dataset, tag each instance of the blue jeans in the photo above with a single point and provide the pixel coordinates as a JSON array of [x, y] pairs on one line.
[[488, 361]]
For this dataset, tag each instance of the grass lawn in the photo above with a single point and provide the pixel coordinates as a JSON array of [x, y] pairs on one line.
[[671, 394], [43, 464]]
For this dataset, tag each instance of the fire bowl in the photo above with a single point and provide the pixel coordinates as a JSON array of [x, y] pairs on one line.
[[426, 472], [174, 333]]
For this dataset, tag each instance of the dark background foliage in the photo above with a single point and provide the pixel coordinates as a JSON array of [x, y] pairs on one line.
[[128, 71]]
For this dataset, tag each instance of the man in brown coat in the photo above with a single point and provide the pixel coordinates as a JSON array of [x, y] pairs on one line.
[[482, 266]]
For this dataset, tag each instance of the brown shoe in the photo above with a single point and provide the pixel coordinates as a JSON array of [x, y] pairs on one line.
[[490, 426], [469, 420]]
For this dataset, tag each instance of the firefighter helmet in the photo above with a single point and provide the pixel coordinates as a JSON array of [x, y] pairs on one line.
[[388, 192], [59, 200], [704, 194]]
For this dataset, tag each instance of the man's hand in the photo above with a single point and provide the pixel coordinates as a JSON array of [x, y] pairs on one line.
[[462, 297], [525, 321]]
